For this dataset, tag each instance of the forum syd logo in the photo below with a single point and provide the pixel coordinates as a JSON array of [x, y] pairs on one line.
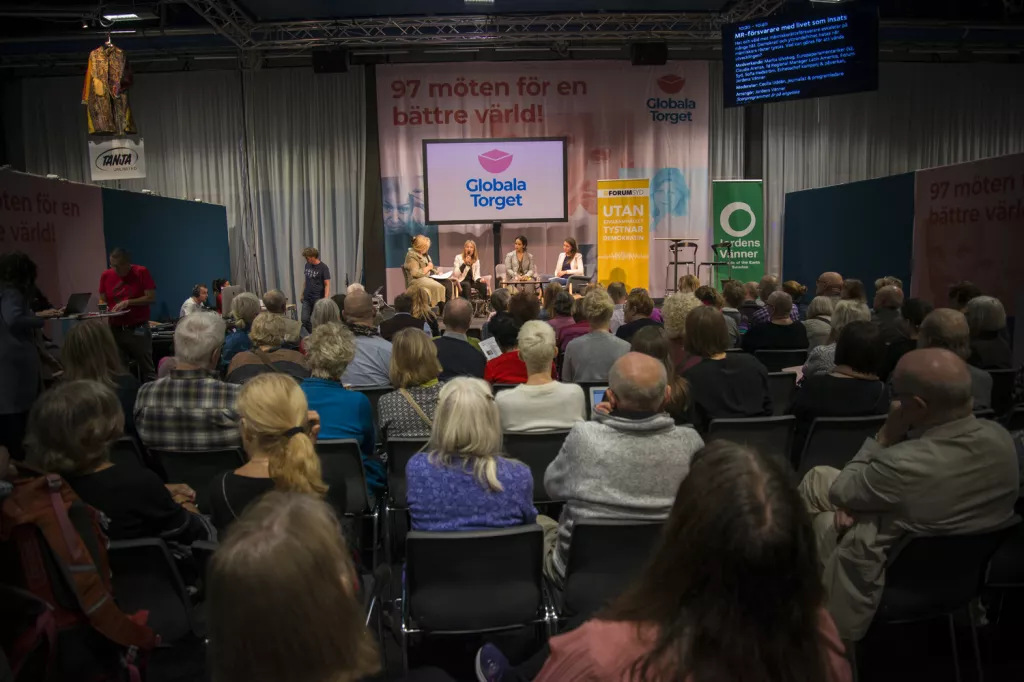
[[495, 161]]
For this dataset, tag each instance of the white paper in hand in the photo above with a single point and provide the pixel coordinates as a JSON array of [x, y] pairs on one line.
[[490, 348], [447, 275]]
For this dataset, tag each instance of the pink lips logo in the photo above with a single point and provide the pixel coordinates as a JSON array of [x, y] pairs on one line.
[[671, 84], [495, 161]]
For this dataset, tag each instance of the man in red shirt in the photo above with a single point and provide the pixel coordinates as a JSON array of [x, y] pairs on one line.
[[130, 287]]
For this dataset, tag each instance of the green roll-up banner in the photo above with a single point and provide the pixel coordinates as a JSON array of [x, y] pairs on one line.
[[738, 216]]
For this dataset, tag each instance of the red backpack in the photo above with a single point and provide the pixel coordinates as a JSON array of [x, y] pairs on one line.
[[58, 618]]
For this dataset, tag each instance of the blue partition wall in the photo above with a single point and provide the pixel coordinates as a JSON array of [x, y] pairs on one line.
[[863, 230], [183, 243]]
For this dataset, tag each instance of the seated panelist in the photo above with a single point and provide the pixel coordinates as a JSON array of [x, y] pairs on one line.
[[569, 264], [467, 270], [519, 263]]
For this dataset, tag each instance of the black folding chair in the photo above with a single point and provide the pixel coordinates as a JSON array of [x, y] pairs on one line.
[[604, 557], [937, 576], [400, 451], [374, 393], [778, 360], [537, 451], [767, 435], [197, 469], [472, 582], [1002, 390], [833, 441], [781, 386], [341, 466]]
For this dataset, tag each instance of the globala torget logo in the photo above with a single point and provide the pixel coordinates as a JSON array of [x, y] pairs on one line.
[[496, 193], [667, 109]]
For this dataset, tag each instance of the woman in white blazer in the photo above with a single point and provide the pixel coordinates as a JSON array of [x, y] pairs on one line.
[[467, 271], [569, 264]]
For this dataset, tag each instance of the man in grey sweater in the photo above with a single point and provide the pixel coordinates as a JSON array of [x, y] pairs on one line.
[[588, 358], [625, 465]]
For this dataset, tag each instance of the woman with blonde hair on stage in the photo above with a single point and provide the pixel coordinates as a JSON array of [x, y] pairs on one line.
[[467, 271], [418, 268]]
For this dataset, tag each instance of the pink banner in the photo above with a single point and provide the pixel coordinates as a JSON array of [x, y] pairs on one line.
[[621, 121]]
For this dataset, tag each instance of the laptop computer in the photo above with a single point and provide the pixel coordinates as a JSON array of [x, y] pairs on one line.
[[77, 304]]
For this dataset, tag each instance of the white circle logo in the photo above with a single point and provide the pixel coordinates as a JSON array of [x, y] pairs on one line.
[[723, 218]]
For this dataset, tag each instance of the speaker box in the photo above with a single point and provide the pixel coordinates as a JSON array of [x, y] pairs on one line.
[[330, 61], [648, 54]]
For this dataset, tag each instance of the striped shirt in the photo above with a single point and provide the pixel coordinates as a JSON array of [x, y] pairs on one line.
[[189, 411], [763, 315]]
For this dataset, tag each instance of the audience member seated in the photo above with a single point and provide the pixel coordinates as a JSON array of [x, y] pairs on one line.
[[190, 410], [343, 413], [408, 411], [547, 309], [819, 321], [830, 284], [889, 281], [708, 296], [674, 311], [947, 328], [722, 385], [562, 312], [688, 284], [507, 368], [821, 360], [421, 311], [912, 314], [733, 294], [90, 352], [933, 468], [961, 293], [461, 481], [283, 598], [625, 465], [372, 362], [741, 509], [654, 342], [267, 355], [276, 304], [499, 304], [589, 357], [750, 304], [541, 404], [459, 355], [990, 348], [852, 389], [402, 318], [325, 310], [244, 309], [70, 431], [783, 333], [796, 291], [618, 292], [637, 312], [769, 285], [278, 433], [853, 290], [578, 328], [523, 307], [888, 301]]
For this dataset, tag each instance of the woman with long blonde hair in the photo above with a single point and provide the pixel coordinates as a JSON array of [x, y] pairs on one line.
[[90, 352], [422, 312], [278, 433], [461, 481], [467, 271]]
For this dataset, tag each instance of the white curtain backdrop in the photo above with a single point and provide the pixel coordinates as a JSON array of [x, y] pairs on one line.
[[282, 150], [923, 115], [726, 132]]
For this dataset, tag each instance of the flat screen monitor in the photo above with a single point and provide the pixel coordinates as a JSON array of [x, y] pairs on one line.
[[507, 180], [814, 53]]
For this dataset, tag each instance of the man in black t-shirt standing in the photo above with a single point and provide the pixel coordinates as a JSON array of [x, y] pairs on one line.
[[318, 283]]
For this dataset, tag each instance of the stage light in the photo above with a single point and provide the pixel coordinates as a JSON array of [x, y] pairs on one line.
[[130, 16]]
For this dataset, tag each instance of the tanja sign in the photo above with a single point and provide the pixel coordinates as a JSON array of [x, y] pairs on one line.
[[119, 158]]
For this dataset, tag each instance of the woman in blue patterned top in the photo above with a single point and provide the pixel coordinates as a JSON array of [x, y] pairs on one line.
[[461, 482]]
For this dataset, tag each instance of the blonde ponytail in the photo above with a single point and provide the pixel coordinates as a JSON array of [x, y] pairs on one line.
[[296, 467]]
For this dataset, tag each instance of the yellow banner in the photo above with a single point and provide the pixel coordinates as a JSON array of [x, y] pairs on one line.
[[623, 222]]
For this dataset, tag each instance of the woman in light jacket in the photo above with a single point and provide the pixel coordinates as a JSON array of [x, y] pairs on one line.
[[467, 271], [569, 264], [418, 269], [819, 321], [519, 263]]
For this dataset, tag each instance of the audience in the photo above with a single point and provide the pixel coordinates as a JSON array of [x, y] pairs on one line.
[[851, 389], [190, 410], [71, 429], [990, 348], [276, 304], [783, 333], [750, 304], [637, 314], [461, 481], [853, 290], [579, 327], [961, 293], [343, 413], [541, 404], [283, 600], [421, 310], [708, 296], [551, 291], [325, 310], [912, 314], [733, 293], [402, 319], [829, 284], [278, 436], [763, 315], [947, 328], [888, 301], [618, 292], [408, 411], [589, 357], [889, 281], [933, 469], [722, 385], [89, 352], [674, 311], [796, 291], [499, 304], [372, 362], [655, 342], [459, 355], [244, 309], [562, 316], [266, 354], [626, 464], [339, 300], [688, 284], [819, 321], [821, 360], [507, 368], [523, 307]]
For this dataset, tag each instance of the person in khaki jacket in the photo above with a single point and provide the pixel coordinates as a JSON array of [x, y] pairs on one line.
[[933, 469]]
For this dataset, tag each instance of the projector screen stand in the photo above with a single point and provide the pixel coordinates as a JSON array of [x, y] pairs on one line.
[[496, 230]]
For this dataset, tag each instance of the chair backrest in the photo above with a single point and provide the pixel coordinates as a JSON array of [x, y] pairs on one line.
[[768, 435], [126, 452], [778, 360], [781, 386], [476, 580], [374, 393], [1002, 390], [1016, 419], [499, 272], [833, 441], [586, 386], [341, 465], [400, 451], [145, 577], [537, 451], [604, 557], [928, 576], [197, 469]]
